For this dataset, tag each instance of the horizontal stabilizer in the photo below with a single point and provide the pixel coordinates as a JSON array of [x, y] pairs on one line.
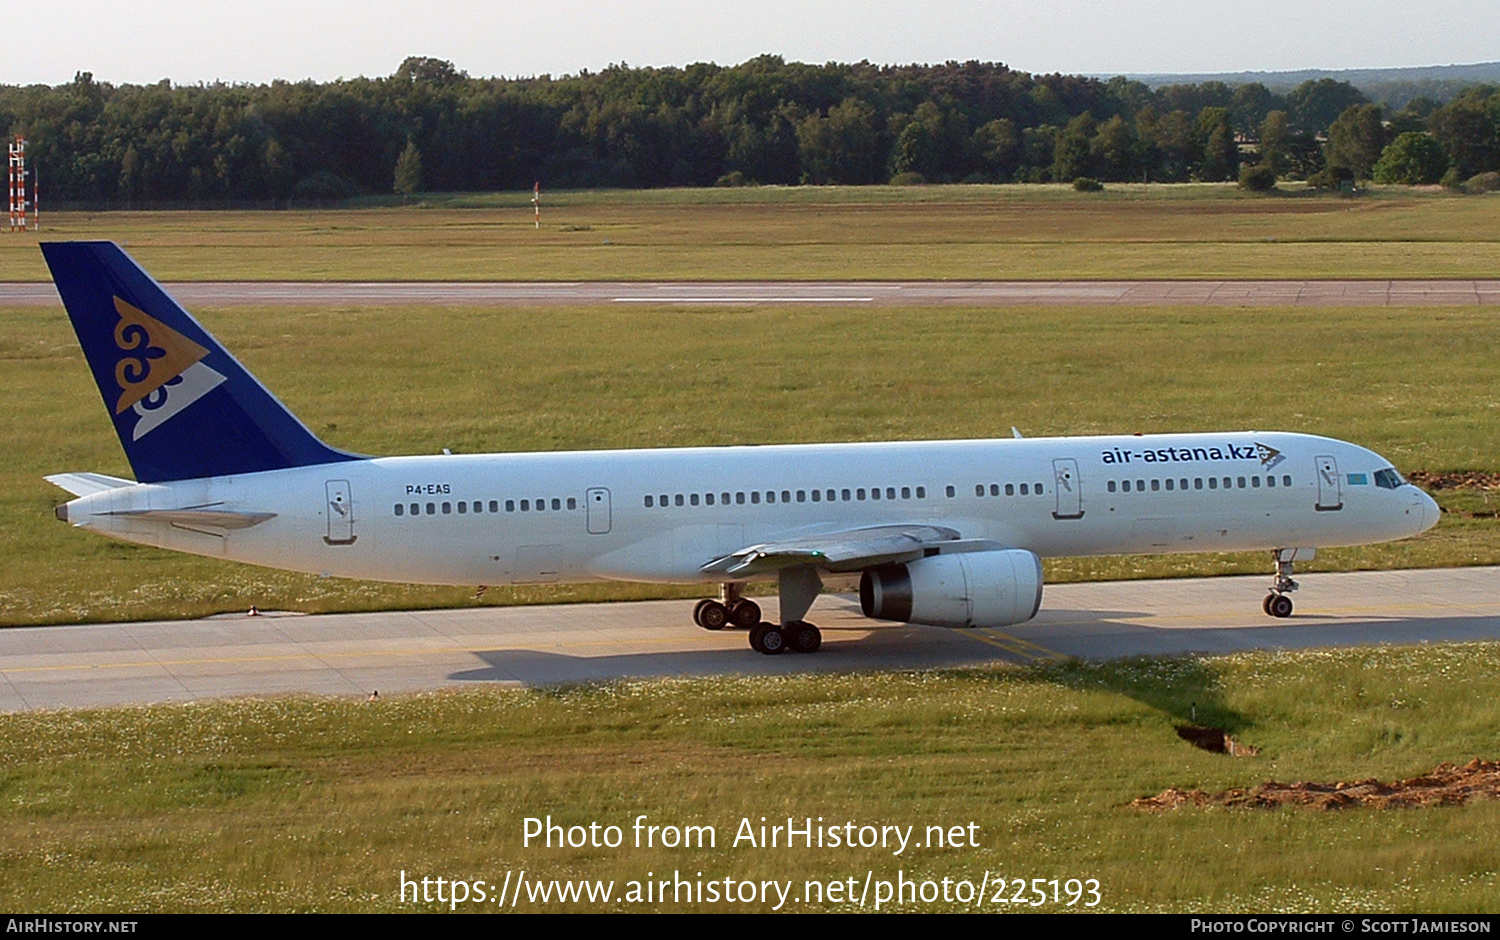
[[198, 517], [86, 484]]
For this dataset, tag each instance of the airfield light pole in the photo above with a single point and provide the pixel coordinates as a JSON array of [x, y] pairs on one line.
[[536, 201], [18, 202]]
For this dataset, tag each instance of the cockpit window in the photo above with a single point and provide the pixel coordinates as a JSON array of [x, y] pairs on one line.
[[1388, 479]]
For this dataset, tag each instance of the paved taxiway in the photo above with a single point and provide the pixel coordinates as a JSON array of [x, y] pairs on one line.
[[1372, 293], [354, 654]]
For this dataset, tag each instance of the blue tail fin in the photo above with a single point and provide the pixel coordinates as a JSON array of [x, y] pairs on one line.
[[182, 406]]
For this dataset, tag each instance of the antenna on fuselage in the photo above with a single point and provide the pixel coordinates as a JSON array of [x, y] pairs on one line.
[[1015, 433]]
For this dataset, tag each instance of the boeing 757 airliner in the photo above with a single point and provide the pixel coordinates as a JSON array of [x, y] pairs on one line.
[[946, 533]]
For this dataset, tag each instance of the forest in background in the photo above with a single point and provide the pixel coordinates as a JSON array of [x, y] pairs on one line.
[[431, 127]]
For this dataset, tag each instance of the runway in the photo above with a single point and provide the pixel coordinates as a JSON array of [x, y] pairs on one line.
[[1376, 293], [408, 652]]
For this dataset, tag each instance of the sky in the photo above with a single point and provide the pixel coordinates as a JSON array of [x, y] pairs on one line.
[[131, 41]]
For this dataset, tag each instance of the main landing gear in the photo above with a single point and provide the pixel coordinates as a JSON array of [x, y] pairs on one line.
[[798, 587], [799, 636], [1277, 604], [730, 610]]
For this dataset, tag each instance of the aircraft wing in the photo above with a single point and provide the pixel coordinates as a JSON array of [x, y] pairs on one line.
[[848, 550]]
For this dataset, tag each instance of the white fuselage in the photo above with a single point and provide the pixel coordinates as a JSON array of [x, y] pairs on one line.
[[661, 515]]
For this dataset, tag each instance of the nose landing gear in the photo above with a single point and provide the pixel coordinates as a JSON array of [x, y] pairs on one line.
[[1277, 604]]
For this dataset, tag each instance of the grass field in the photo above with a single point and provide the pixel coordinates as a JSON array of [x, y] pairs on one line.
[[877, 232], [1417, 387], [302, 805]]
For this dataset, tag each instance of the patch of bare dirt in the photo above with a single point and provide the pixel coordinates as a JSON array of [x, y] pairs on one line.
[[1446, 785], [1455, 480], [1216, 740]]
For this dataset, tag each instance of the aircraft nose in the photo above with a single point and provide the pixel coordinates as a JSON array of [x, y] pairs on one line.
[[1429, 510]]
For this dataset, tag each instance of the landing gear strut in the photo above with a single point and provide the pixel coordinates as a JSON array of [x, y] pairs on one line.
[[731, 609], [1277, 604]]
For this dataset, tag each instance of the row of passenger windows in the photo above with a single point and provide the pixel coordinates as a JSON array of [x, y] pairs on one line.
[[1198, 483], [756, 497], [477, 506], [1009, 489]]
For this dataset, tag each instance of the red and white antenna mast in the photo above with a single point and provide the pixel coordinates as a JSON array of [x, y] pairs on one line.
[[18, 201]]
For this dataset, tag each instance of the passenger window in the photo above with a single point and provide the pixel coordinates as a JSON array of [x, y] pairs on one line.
[[1010, 489], [1197, 483], [890, 492], [875, 492], [400, 509], [978, 489], [950, 492], [817, 495], [921, 492], [1125, 485], [859, 493], [1182, 484], [739, 498], [526, 505], [432, 509], [447, 508], [510, 505], [1169, 484], [906, 492], [802, 496], [649, 502], [572, 502], [995, 489], [708, 498], [1025, 490], [786, 496], [556, 503], [1270, 481], [693, 499], [1110, 486], [1140, 486], [770, 496], [494, 505], [416, 509], [1286, 480], [1228, 483], [1242, 482], [1155, 486], [1036, 488], [755, 497], [677, 500], [463, 508], [1255, 482], [724, 498], [1213, 483], [846, 495]]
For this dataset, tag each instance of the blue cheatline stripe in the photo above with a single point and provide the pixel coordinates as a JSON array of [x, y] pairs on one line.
[[183, 407]]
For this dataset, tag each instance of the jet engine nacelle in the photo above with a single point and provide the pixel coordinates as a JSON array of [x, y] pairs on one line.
[[969, 589]]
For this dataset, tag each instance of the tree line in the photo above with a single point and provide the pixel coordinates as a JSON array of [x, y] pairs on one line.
[[430, 126]]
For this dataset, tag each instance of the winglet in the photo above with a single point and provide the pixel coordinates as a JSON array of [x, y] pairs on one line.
[[183, 407]]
